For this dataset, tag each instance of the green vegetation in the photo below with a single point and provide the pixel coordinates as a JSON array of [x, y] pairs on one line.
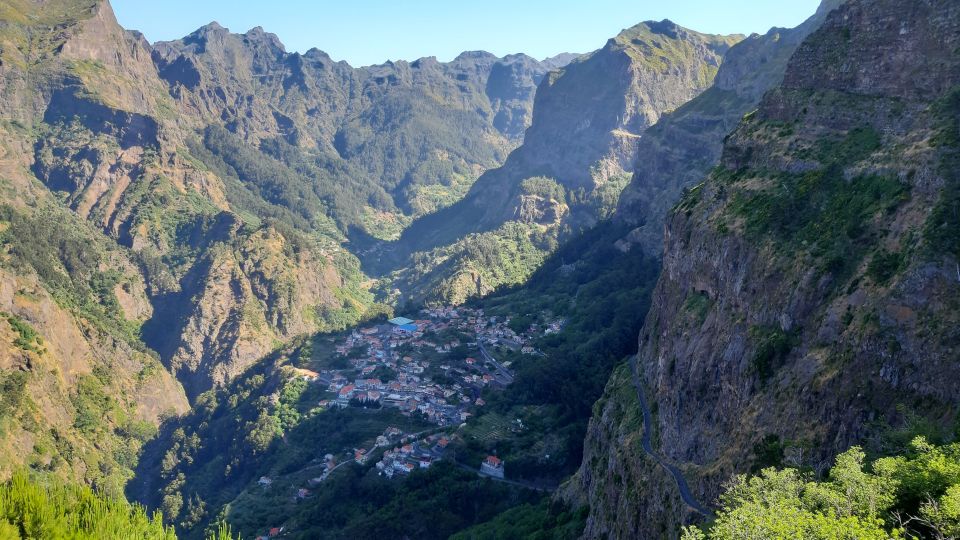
[[27, 337], [358, 503], [915, 495], [942, 229], [13, 386], [478, 264], [544, 521], [30, 509], [820, 212], [273, 183], [698, 304], [771, 346], [69, 261], [884, 265], [602, 294], [264, 423]]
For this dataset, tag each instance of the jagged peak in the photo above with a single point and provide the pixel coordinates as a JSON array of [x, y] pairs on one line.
[[210, 27], [560, 60], [475, 55], [424, 62], [648, 31], [258, 34], [519, 57]]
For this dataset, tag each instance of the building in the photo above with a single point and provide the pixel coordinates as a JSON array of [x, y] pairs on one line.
[[492, 466], [306, 374], [400, 321]]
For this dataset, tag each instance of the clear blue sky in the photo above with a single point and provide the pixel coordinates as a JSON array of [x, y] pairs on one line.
[[365, 32]]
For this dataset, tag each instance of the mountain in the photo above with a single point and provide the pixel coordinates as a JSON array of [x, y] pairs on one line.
[[408, 137], [80, 391], [808, 299], [680, 149], [229, 172], [568, 173]]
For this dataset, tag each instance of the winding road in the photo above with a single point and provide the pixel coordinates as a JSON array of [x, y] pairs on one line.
[[647, 444]]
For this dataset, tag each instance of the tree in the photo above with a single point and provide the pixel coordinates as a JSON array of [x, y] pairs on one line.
[[916, 495]]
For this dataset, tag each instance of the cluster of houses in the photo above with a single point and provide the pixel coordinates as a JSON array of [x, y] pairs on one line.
[[411, 391], [405, 459]]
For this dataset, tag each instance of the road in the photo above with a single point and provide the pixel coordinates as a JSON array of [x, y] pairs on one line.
[[647, 443], [518, 483], [502, 371]]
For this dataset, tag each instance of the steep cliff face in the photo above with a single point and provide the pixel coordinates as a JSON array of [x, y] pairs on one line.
[[685, 144], [253, 295], [79, 392], [587, 121], [617, 474], [810, 290]]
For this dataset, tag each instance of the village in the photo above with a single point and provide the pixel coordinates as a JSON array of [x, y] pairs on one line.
[[436, 366]]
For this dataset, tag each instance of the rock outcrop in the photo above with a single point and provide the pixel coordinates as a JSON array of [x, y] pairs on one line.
[[685, 144], [809, 293]]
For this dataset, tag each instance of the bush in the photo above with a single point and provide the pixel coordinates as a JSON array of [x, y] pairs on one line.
[[771, 346]]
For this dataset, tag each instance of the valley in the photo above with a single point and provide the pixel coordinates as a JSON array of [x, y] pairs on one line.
[[685, 285]]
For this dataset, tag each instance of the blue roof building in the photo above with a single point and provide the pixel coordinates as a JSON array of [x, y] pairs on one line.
[[400, 321]]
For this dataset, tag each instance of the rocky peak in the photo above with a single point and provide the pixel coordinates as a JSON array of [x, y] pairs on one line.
[[680, 150]]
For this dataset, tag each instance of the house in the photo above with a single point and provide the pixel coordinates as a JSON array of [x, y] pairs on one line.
[[265, 481], [275, 531], [406, 329], [303, 493], [400, 321], [492, 466], [306, 374]]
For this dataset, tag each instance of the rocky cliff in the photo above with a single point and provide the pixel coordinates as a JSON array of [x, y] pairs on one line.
[[104, 136], [685, 144], [587, 121], [809, 295], [80, 393]]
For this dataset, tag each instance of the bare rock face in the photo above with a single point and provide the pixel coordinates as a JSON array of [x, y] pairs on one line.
[[246, 300], [685, 144], [619, 482], [809, 288]]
